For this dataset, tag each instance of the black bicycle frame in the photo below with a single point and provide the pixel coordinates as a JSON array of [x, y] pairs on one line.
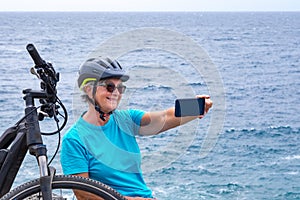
[[17, 140], [13, 149]]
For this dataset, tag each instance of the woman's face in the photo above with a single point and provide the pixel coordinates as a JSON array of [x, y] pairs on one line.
[[106, 97]]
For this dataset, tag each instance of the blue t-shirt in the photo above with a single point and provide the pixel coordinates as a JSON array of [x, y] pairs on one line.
[[109, 153]]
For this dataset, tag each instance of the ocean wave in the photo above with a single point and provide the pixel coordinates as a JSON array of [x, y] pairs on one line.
[[293, 157], [196, 84], [265, 130], [157, 87], [226, 39], [289, 195]]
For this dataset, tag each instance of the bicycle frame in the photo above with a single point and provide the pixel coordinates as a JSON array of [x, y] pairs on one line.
[[17, 140], [12, 158]]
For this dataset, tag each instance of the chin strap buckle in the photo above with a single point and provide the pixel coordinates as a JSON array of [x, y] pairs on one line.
[[102, 115]]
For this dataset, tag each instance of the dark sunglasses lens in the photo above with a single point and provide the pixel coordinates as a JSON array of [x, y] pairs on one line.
[[121, 89], [111, 88]]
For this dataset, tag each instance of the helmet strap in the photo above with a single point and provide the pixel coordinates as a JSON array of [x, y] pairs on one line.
[[102, 115]]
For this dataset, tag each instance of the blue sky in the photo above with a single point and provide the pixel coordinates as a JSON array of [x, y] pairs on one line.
[[150, 5]]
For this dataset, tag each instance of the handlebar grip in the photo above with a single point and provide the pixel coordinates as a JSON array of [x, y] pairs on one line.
[[35, 55]]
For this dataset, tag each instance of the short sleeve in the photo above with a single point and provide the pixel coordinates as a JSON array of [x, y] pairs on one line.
[[129, 121], [74, 158], [136, 116]]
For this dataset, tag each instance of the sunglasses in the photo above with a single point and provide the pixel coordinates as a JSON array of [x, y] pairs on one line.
[[110, 87]]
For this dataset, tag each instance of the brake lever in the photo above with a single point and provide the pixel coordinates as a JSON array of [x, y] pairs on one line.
[[32, 71]]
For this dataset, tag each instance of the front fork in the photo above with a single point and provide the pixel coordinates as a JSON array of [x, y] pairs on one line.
[[42, 160], [46, 173]]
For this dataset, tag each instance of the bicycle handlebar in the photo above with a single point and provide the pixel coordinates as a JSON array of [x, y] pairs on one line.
[[45, 72], [35, 55]]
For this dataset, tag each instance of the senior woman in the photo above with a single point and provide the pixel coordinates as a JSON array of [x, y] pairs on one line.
[[101, 145]]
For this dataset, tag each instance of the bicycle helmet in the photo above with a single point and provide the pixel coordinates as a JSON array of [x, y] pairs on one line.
[[95, 69]]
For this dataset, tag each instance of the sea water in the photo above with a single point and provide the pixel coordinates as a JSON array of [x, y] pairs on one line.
[[255, 154]]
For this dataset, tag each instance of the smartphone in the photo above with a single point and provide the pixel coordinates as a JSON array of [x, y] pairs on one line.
[[189, 107]]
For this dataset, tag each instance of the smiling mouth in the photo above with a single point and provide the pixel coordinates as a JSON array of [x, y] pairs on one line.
[[112, 99]]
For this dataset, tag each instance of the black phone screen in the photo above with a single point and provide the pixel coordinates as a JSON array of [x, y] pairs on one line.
[[189, 107]]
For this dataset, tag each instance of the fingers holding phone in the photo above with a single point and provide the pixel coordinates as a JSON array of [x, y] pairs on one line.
[[208, 103]]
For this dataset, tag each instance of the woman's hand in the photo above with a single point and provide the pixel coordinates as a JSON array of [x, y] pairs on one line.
[[208, 104]]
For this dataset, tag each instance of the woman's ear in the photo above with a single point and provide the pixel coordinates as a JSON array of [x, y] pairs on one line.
[[88, 90]]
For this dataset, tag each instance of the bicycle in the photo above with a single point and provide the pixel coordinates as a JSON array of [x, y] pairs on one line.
[[26, 136]]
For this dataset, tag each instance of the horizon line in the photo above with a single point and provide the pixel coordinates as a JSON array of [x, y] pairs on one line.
[[149, 11]]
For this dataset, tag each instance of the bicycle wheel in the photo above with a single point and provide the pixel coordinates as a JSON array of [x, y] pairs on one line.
[[62, 189]]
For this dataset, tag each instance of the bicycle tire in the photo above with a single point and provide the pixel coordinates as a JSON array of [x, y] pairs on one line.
[[31, 188]]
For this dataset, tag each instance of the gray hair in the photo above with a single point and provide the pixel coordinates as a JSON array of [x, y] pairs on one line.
[[84, 95]]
